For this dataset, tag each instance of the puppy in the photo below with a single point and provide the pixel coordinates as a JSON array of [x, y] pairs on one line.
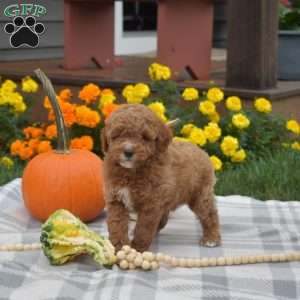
[[145, 172]]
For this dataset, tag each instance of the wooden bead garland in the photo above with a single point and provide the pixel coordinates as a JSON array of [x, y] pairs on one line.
[[149, 261], [130, 259]]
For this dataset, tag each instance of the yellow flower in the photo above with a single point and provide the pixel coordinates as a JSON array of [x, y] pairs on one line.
[[6, 162], [159, 109], [240, 121], [207, 107], [212, 132], [197, 136], [187, 129], [8, 86], [293, 126], [295, 146], [214, 117], [215, 95], [20, 107], [141, 90], [180, 139], [229, 145], [159, 72], [127, 91], [29, 85], [239, 156], [234, 103], [190, 94], [106, 99], [263, 105], [216, 162]]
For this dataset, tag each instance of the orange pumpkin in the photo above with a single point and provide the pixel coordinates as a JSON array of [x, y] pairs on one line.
[[63, 178]]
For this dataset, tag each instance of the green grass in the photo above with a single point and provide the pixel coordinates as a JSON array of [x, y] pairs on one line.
[[274, 177]]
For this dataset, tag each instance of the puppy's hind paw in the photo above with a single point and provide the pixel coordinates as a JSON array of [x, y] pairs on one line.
[[210, 243]]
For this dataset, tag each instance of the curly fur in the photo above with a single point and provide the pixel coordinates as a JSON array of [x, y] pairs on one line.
[[158, 177]]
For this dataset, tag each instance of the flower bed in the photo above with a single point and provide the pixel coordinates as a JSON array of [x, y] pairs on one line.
[[232, 138]]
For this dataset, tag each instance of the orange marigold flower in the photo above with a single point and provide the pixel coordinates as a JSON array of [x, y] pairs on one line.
[[65, 94], [68, 111], [108, 109], [25, 152], [34, 144], [87, 117], [44, 146], [51, 132], [15, 147], [32, 132], [47, 103], [89, 93], [85, 142]]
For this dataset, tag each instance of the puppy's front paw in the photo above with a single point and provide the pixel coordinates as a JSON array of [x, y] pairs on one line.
[[207, 242], [140, 247]]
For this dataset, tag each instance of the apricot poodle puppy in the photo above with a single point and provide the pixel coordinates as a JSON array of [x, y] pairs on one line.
[[145, 172]]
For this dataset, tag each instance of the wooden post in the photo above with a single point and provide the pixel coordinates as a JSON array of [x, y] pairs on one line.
[[89, 33], [185, 35], [252, 44]]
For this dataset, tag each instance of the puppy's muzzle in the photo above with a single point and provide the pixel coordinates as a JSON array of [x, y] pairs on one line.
[[128, 152]]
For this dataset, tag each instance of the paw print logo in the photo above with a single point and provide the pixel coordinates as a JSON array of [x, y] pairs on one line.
[[24, 32]]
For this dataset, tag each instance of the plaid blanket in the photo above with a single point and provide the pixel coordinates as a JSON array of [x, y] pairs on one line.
[[248, 226]]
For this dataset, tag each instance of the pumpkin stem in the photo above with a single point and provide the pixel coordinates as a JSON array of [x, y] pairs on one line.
[[62, 132]]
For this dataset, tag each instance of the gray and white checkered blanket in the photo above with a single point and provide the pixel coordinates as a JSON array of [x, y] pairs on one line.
[[248, 226]]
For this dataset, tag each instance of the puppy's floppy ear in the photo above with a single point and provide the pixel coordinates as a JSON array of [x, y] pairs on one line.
[[164, 137], [104, 143]]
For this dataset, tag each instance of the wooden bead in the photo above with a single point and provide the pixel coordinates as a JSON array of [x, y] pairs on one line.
[[204, 262], [252, 259], [245, 259], [27, 247], [267, 258], [182, 262], [174, 262], [228, 261], [36, 246], [146, 265], [160, 256], [168, 259], [19, 247], [190, 263], [275, 257], [124, 264], [212, 261], [121, 254], [237, 260], [259, 258], [148, 255], [198, 263], [154, 265], [282, 257], [131, 266], [297, 255], [130, 257], [126, 249], [138, 260], [220, 261], [3, 248]]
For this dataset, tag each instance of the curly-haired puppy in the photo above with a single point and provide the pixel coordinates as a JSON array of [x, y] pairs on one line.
[[146, 172]]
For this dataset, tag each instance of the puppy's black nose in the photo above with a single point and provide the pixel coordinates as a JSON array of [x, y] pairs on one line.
[[128, 153]]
